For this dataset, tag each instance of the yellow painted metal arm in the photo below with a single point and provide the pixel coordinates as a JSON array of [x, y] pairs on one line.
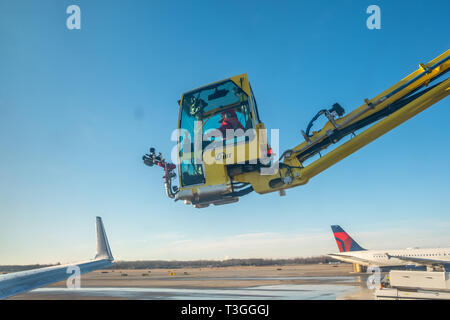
[[377, 130], [415, 80], [404, 98]]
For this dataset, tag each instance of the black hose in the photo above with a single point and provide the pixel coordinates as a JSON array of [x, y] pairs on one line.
[[242, 192], [338, 134], [310, 124]]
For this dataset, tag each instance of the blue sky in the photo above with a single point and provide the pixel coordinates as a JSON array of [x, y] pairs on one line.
[[78, 109]]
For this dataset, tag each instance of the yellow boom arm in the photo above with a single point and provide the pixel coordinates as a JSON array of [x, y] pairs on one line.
[[384, 112]]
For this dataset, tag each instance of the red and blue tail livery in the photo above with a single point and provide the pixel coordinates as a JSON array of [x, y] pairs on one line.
[[344, 242]]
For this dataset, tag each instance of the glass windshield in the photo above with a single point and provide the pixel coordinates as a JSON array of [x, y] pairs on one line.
[[215, 108], [191, 171], [204, 101], [218, 107]]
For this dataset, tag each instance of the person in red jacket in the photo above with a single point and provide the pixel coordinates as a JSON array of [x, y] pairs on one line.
[[229, 121]]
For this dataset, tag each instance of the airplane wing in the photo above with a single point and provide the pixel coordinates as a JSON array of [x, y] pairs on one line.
[[349, 258], [18, 282], [421, 261]]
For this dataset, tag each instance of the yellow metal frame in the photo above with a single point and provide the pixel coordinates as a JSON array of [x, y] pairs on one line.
[[300, 175]]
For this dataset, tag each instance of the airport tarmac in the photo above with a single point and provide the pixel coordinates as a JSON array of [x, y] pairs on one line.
[[318, 281]]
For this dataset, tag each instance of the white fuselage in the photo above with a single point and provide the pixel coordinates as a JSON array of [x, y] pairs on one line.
[[388, 257]]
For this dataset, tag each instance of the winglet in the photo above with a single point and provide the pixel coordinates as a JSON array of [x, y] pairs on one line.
[[103, 250]]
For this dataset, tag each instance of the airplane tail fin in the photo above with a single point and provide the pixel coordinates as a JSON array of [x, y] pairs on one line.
[[344, 242], [103, 250]]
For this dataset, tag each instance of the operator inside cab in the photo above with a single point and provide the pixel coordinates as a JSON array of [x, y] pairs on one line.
[[229, 121]]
